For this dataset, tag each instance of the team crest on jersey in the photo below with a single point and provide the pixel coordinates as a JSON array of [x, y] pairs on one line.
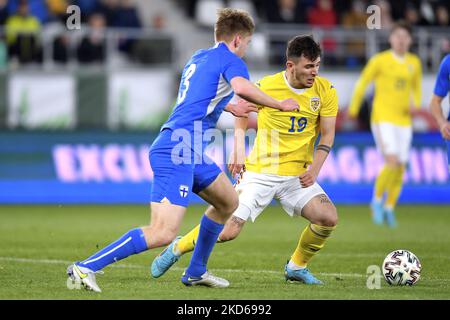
[[184, 190], [410, 68], [314, 104]]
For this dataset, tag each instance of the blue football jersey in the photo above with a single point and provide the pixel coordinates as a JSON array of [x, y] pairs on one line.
[[442, 86], [205, 88]]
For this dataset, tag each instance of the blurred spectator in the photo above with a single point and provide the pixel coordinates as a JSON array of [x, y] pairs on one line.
[[356, 18], [109, 9], [60, 49], [427, 12], [3, 12], [414, 17], [22, 35], [442, 16], [87, 7], [282, 11], [127, 17], [92, 48], [285, 11], [58, 8], [37, 8], [385, 14], [323, 15]]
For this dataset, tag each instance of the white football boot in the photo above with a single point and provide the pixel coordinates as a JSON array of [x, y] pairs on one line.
[[84, 276]]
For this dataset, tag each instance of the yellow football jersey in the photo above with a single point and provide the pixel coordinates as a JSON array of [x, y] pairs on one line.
[[397, 85], [284, 143]]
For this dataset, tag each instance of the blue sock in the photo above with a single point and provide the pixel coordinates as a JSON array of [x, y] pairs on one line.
[[132, 242], [207, 237]]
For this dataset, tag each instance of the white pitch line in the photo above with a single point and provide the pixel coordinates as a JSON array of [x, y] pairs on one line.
[[135, 266]]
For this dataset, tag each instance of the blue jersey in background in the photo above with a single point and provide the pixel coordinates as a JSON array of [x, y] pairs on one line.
[[442, 87]]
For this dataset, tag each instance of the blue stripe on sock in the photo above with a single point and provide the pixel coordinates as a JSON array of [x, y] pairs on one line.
[[132, 242], [207, 237]]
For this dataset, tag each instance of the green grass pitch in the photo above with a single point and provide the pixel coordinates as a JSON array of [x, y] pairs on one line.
[[38, 242]]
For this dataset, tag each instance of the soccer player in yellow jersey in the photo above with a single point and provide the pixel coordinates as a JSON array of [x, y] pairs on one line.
[[397, 76], [282, 164]]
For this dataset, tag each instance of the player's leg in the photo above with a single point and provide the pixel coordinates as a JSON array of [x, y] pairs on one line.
[[166, 219], [231, 231], [314, 205], [167, 210], [253, 198], [404, 139], [224, 201], [182, 245], [384, 137]]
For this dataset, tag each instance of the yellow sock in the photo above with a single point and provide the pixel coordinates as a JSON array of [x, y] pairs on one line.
[[395, 187], [187, 243], [383, 181], [311, 241]]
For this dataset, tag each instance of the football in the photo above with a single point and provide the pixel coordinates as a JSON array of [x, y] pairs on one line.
[[401, 268]]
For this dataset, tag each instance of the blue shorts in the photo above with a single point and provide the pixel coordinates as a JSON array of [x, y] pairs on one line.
[[176, 182]]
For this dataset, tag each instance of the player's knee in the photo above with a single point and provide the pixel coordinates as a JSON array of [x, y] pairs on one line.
[[229, 206], [329, 218], [392, 161]]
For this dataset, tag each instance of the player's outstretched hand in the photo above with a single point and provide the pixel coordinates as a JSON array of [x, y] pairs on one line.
[[242, 108], [445, 130], [307, 179], [236, 163], [289, 105]]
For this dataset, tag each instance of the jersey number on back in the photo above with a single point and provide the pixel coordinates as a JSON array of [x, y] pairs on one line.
[[301, 123], [185, 83]]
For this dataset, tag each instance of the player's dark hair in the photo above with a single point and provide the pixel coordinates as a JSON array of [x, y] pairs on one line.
[[303, 45], [231, 22], [402, 24]]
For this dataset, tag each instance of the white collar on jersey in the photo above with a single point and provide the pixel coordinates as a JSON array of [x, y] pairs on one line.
[[297, 91], [397, 57]]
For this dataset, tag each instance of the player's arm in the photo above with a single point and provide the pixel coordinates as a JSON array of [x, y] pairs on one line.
[[327, 132], [248, 91], [241, 108], [367, 76], [237, 157], [438, 114]]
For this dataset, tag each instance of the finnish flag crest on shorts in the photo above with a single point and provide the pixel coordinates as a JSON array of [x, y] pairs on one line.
[[184, 190]]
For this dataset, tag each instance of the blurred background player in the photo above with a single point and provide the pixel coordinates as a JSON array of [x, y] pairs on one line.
[[441, 89], [282, 163], [397, 75], [206, 87]]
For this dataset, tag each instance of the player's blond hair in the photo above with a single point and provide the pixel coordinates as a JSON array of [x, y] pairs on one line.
[[231, 22]]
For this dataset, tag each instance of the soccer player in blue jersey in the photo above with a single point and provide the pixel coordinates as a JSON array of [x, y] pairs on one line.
[[441, 89], [180, 167]]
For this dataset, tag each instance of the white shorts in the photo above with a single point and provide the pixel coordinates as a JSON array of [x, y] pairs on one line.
[[256, 191], [392, 139]]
